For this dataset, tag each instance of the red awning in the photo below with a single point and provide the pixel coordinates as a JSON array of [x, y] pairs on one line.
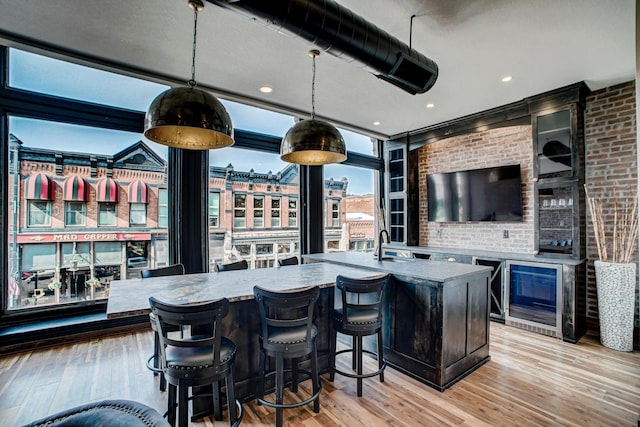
[[75, 189], [138, 192], [39, 187], [107, 190]]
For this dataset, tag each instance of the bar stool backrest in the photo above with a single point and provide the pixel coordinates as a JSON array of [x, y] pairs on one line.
[[205, 317], [170, 270], [288, 261], [362, 296], [239, 265], [287, 314]]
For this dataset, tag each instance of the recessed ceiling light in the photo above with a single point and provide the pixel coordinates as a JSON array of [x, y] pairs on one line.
[[431, 105], [376, 123], [266, 89], [506, 79]]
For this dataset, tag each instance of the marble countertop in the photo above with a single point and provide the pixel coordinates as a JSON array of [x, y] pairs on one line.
[[437, 271], [481, 253], [131, 297]]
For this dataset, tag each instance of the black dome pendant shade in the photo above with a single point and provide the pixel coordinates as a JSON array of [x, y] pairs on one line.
[[313, 142], [187, 117], [190, 118]]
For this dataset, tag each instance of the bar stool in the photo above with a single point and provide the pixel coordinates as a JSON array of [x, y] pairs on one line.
[[153, 363], [238, 265], [196, 360], [359, 316], [288, 332]]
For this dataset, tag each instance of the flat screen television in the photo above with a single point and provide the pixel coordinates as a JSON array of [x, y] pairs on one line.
[[491, 194]]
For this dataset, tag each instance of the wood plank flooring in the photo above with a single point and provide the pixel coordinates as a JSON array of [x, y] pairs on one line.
[[531, 380]]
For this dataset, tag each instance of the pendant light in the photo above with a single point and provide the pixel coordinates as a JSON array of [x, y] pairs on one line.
[[187, 117], [313, 142]]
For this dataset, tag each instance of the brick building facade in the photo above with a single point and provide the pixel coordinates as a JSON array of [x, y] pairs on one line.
[[81, 216]]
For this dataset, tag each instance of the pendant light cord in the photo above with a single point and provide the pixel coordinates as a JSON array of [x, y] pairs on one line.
[[192, 82], [313, 88]]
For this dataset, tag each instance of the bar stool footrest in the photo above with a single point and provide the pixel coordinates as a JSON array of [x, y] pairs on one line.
[[151, 367], [239, 412], [270, 404], [365, 375]]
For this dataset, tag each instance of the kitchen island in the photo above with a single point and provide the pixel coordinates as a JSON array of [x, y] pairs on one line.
[[436, 313], [242, 324], [435, 318]]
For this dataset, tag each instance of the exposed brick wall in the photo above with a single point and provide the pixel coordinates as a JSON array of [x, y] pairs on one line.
[[611, 162], [497, 147]]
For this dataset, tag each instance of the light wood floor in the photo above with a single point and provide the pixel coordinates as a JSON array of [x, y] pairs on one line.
[[531, 380]]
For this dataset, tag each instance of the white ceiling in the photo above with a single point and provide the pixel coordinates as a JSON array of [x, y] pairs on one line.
[[543, 44]]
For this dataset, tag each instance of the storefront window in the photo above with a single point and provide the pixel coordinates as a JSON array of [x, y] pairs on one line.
[[108, 253], [243, 250]]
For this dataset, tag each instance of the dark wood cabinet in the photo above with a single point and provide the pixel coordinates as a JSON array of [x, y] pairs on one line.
[[437, 332], [559, 182]]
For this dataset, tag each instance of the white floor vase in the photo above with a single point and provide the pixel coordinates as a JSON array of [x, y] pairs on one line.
[[616, 286]]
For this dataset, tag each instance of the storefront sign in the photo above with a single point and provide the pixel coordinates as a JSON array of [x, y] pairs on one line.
[[81, 237]]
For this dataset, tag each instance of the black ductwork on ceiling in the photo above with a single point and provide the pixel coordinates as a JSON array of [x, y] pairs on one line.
[[342, 33]]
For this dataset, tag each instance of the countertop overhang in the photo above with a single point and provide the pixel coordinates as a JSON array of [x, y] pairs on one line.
[[421, 269]]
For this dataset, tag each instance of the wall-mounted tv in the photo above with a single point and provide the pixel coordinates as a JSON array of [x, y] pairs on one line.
[[491, 194]]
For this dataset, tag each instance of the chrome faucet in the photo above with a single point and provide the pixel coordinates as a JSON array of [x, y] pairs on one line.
[[380, 243]]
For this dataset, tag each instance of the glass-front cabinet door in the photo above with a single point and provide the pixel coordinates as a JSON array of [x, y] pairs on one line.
[[557, 219], [396, 159], [555, 143]]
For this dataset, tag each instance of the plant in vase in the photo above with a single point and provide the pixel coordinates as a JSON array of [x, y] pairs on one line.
[[55, 286], [615, 273], [92, 283]]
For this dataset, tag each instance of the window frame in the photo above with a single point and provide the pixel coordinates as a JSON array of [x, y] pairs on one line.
[[47, 214], [214, 219], [102, 205], [143, 209], [163, 205], [258, 223], [24, 103], [276, 220], [335, 213], [239, 221], [82, 212], [292, 220]]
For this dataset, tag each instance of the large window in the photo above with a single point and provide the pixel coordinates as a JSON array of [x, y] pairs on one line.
[[39, 213], [110, 156], [258, 211], [352, 209], [239, 210]]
